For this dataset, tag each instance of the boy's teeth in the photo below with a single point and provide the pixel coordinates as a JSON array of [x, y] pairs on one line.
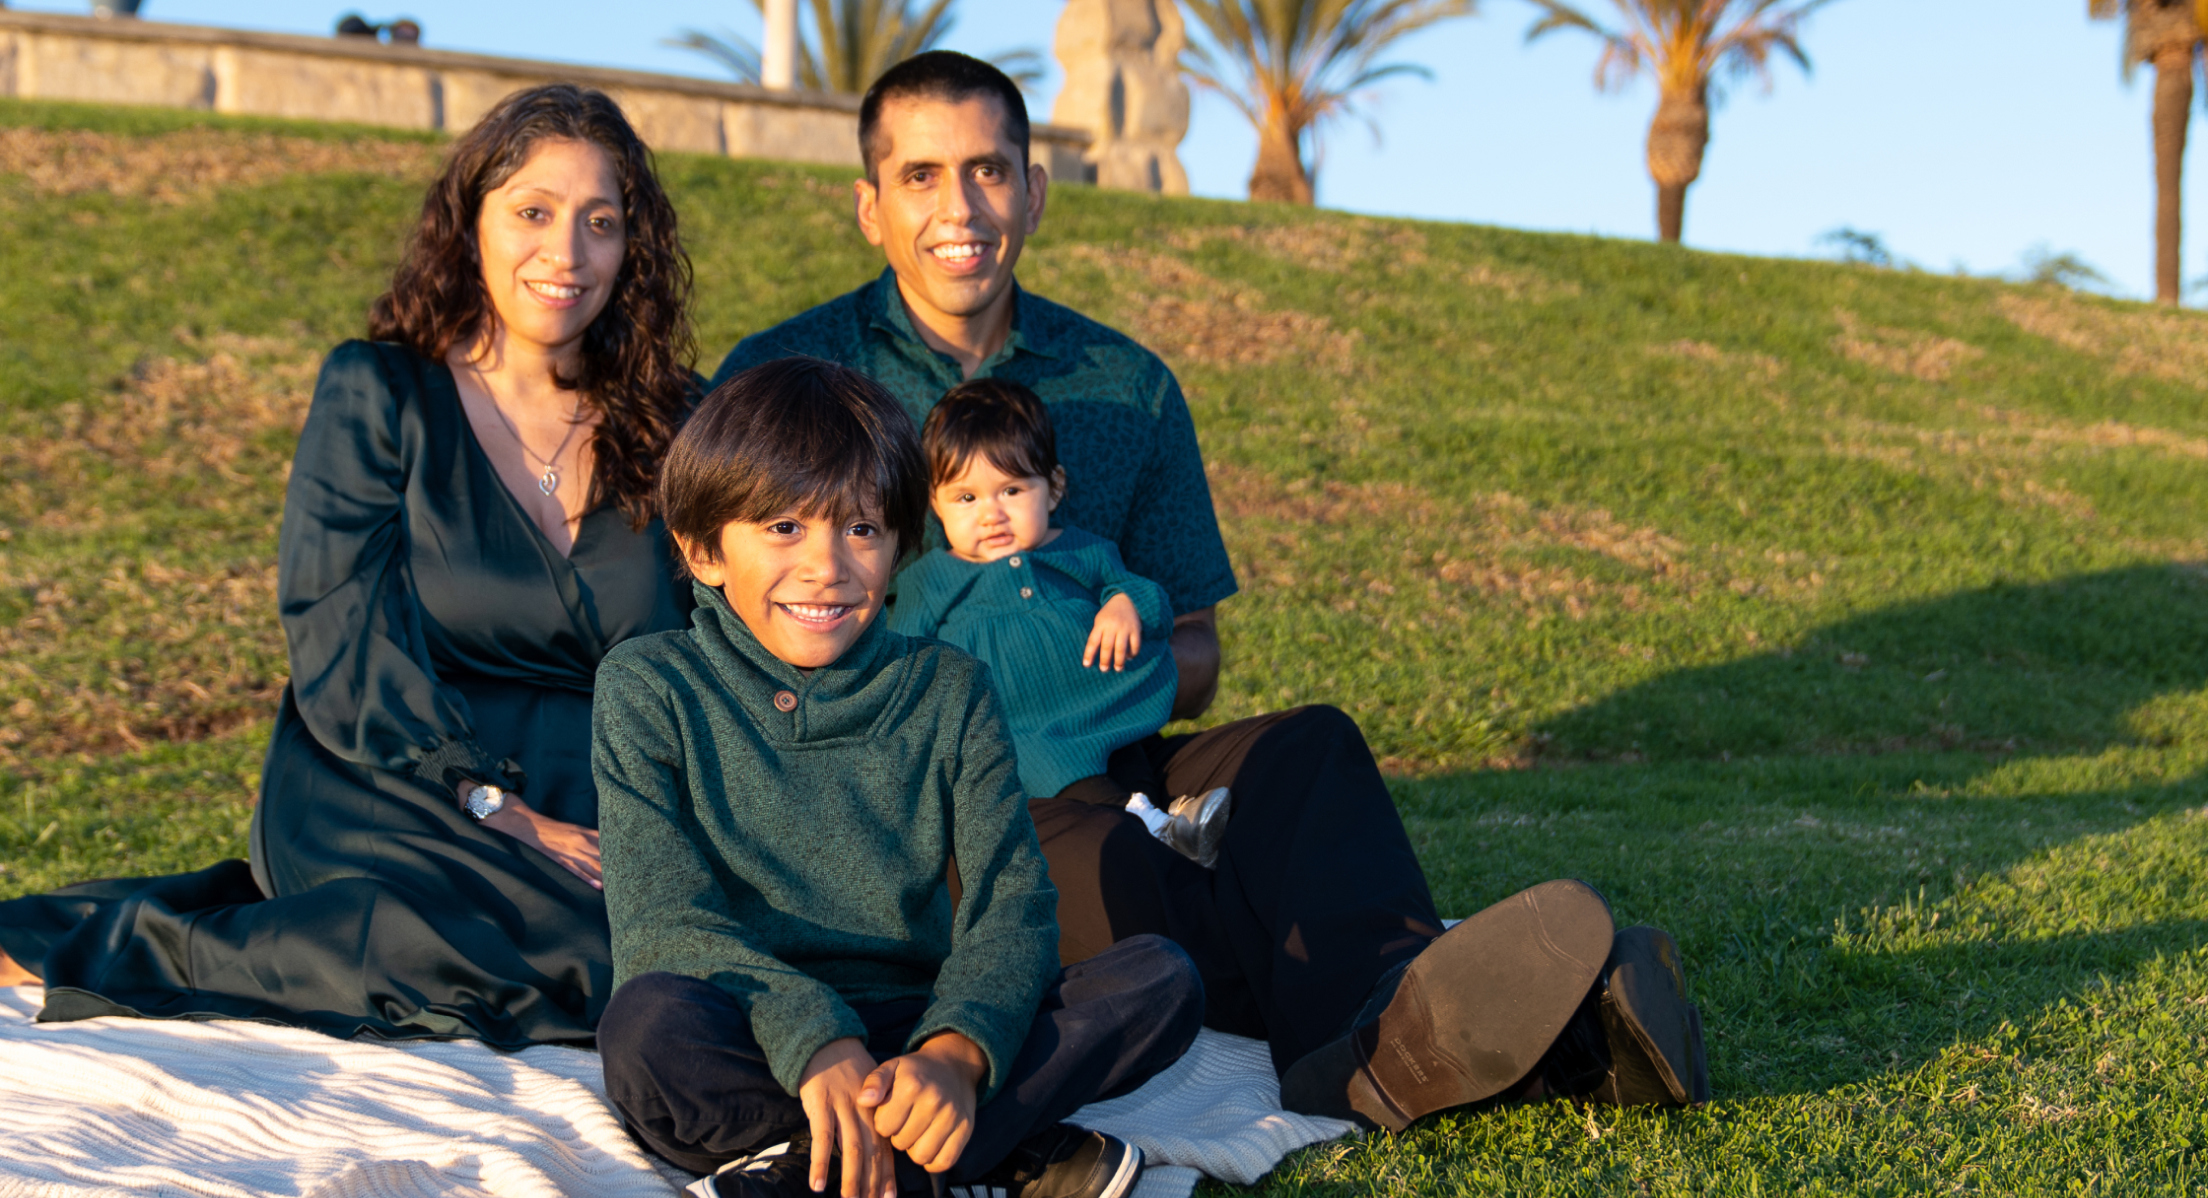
[[811, 611]]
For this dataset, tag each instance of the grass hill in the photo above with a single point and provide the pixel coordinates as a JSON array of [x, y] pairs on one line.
[[1852, 624]]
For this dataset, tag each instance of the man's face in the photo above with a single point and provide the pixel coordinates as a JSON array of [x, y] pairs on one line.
[[949, 203]]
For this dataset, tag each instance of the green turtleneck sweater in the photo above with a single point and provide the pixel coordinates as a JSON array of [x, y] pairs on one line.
[[787, 834]]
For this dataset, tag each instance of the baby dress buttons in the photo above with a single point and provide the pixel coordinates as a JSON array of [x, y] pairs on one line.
[[1015, 561], [1027, 592], [785, 701]]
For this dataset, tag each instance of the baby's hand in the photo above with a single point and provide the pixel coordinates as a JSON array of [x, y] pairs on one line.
[[1115, 637]]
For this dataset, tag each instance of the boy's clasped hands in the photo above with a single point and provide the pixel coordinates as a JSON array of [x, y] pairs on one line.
[[920, 1104]]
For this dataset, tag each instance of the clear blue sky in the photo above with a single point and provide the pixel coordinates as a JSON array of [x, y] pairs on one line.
[[1964, 132]]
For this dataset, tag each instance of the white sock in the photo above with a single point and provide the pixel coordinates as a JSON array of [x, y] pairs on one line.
[[1151, 817]]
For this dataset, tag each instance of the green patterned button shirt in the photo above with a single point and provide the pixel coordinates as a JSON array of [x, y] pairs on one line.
[[1134, 474]]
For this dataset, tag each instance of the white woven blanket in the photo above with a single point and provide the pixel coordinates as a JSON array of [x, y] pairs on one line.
[[115, 1107]]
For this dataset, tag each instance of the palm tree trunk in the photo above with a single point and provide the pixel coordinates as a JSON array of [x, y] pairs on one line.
[[1280, 176], [1676, 140], [2173, 104]]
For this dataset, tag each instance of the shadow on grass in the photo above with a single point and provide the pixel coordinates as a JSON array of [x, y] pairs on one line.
[[1928, 825], [2058, 666]]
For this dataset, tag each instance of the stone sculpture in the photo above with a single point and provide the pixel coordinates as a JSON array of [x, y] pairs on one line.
[[1123, 84]]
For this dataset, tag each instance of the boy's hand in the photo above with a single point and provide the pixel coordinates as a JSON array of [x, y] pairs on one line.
[[923, 1102], [1115, 637], [830, 1089]]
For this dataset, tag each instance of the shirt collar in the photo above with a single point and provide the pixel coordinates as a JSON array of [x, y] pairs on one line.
[[888, 314]]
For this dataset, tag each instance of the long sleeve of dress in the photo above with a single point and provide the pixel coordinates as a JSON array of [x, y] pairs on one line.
[[1096, 565], [667, 904], [360, 669], [1004, 946]]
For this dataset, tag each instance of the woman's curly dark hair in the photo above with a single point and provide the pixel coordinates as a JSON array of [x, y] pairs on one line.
[[636, 357]]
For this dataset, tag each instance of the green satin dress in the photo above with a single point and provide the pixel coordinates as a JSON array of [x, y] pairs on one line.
[[434, 633]]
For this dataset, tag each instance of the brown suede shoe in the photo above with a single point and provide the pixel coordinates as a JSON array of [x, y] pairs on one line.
[[1471, 1017]]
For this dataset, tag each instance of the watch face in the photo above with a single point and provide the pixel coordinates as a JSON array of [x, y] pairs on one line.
[[485, 801]]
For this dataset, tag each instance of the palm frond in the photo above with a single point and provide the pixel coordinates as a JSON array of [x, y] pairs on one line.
[[735, 55], [1298, 64]]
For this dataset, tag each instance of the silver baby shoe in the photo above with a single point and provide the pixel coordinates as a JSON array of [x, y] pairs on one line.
[[1199, 825]]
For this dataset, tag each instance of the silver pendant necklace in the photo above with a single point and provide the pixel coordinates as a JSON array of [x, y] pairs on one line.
[[549, 481]]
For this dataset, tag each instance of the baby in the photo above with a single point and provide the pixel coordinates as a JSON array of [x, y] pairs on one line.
[[1042, 606]]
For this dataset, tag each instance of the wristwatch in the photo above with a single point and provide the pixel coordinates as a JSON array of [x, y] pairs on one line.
[[483, 801]]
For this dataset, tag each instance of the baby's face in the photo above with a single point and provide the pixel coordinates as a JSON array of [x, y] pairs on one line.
[[988, 514], [805, 585]]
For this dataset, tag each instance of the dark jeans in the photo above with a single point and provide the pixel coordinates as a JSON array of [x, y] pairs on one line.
[[692, 1084], [1316, 896], [1126, 772]]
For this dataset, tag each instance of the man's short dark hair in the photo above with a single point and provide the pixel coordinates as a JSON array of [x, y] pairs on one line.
[[995, 418], [794, 434], [944, 75]]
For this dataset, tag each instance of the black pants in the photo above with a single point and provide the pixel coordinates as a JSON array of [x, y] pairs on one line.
[[693, 1085], [1316, 896]]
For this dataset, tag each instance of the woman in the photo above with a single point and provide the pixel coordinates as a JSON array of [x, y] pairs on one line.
[[469, 526]]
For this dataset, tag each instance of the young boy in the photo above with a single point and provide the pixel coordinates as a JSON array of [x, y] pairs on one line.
[[833, 931], [1041, 605]]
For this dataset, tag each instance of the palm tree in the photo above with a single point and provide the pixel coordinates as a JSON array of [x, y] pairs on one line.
[[1687, 45], [852, 42], [2166, 33], [1293, 65]]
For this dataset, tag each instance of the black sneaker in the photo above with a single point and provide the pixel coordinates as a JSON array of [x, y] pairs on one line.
[[1063, 1162], [1474, 1014], [776, 1172], [1654, 1033]]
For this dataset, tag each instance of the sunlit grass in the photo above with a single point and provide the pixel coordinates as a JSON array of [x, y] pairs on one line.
[[1846, 623]]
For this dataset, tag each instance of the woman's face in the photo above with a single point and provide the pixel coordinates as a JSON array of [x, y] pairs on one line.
[[552, 239]]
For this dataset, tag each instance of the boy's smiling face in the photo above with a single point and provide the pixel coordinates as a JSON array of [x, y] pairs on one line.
[[806, 585]]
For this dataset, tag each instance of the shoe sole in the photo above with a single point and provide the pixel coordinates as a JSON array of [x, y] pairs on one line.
[[1656, 1050], [1124, 1178], [1472, 1016]]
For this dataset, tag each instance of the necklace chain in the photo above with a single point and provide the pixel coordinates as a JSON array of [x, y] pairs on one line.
[[549, 481]]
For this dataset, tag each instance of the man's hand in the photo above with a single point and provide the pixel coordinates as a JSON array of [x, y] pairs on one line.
[[1195, 645], [923, 1102], [1115, 637], [830, 1089]]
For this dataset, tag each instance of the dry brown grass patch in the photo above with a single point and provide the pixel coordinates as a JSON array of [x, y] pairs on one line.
[[1901, 351], [1762, 366], [1331, 246], [173, 168], [1185, 314], [107, 649], [1483, 546], [1518, 284], [146, 653], [2159, 344]]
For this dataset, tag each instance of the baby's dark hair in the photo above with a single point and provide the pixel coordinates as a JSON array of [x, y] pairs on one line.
[[996, 418], [794, 434]]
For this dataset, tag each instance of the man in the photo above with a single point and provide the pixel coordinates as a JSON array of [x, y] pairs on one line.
[[1316, 932]]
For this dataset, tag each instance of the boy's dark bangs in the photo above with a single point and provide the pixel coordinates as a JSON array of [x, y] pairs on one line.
[[840, 489]]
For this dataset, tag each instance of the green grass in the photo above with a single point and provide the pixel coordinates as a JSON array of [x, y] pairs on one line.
[[1847, 623]]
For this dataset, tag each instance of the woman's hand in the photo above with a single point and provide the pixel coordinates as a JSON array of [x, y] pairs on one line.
[[572, 847], [1115, 637], [829, 1089]]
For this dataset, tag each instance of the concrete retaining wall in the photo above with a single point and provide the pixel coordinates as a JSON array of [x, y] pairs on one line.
[[50, 57]]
